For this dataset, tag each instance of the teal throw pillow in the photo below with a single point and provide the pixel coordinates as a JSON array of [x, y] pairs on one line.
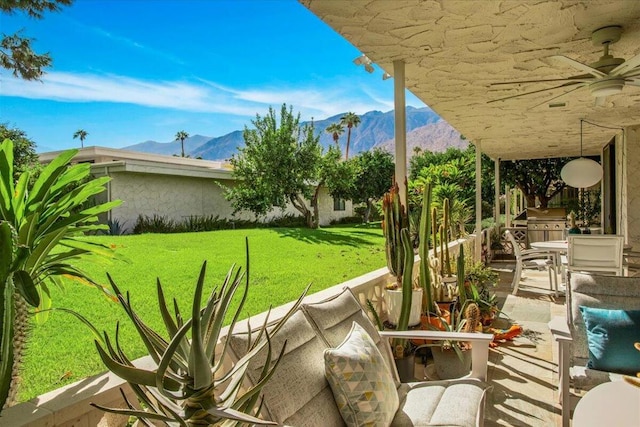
[[610, 336]]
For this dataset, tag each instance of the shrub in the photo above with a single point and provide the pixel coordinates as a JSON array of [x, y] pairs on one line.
[[155, 224]]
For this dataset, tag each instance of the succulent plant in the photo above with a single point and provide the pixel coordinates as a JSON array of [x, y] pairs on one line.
[[395, 219], [190, 386], [423, 249]]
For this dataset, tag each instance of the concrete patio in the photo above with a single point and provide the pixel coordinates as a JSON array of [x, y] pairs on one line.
[[523, 372]]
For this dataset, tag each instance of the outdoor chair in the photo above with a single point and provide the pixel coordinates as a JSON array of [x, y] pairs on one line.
[[298, 394], [533, 259], [588, 293], [600, 254]]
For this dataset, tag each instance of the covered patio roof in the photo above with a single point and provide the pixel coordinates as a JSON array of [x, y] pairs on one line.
[[455, 49]]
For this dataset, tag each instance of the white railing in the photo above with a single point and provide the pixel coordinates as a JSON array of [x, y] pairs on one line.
[[69, 405]]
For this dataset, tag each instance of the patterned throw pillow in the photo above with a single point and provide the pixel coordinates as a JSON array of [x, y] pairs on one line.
[[360, 380]]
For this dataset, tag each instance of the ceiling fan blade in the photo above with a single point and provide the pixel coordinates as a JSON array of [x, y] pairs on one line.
[[537, 91], [579, 66], [626, 66], [556, 97], [583, 78]]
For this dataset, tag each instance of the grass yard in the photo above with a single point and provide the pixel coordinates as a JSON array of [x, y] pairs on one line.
[[282, 262]]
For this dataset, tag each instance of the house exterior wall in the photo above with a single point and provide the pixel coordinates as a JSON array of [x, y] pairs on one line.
[[628, 159], [178, 197], [326, 211]]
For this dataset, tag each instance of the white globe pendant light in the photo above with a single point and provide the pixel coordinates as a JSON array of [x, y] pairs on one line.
[[581, 172]]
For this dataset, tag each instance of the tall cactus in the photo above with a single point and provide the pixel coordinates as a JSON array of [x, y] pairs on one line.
[[395, 219], [462, 294], [446, 224], [423, 249], [407, 281]]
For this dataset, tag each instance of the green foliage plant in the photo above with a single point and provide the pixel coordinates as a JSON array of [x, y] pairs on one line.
[[190, 386], [373, 172], [24, 152], [41, 224], [283, 163]]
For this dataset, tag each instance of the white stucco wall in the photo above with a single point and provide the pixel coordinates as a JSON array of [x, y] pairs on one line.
[[178, 197]]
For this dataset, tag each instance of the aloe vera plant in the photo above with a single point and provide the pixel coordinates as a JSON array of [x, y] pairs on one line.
[[39, 226], [190, 386]]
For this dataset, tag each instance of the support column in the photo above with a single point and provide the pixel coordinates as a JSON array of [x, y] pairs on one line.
[[496, 214], [400, 111], [507, 206], [478, 248]]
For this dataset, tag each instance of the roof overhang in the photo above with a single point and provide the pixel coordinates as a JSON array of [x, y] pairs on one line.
[[454, 50]]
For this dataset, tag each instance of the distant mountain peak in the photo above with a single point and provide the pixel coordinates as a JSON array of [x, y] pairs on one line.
[[376, 129]]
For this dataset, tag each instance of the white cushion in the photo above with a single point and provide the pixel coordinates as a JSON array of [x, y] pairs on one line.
[[362, 385]]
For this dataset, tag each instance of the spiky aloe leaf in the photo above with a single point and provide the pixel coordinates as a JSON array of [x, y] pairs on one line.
[[131, 374], [199, 367]]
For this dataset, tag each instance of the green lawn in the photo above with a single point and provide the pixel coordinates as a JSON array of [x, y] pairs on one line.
[[283, 262]]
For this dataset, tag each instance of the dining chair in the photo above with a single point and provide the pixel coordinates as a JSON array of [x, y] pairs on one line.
[[533, 259], [600, 254]]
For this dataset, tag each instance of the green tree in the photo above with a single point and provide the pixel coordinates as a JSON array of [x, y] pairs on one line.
[[24, 152], [335, 129], [16, 53], [452, 174], [535, 178], [181, 136], [40, 226], [349, 120], [82, 135], [374, 172], [282, 162]]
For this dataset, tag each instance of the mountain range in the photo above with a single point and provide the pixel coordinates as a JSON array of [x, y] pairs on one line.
[[425, 130]]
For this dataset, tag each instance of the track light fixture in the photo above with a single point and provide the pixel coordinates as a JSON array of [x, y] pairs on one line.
[[362, 60], [386, 76]]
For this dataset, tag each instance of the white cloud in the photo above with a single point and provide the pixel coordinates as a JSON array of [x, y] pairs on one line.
[[195, 96]]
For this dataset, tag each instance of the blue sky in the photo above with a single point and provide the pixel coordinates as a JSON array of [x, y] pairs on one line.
[[127, 71]]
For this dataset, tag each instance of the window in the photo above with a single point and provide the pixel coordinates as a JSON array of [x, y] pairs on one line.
[[338, 204]]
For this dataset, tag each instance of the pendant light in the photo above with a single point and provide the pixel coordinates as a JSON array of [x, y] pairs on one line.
[[581, 172]]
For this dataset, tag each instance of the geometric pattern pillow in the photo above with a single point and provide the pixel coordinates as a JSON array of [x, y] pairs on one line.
[[361, 383]]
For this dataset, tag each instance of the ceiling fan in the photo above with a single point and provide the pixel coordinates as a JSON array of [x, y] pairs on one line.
[[607, 76]]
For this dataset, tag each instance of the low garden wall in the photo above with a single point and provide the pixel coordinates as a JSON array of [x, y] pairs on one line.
[[69, 406]]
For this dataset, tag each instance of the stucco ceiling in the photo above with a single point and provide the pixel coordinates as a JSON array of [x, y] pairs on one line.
[[454, 50]]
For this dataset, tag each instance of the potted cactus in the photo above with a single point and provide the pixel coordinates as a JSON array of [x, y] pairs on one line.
[[400, 293]]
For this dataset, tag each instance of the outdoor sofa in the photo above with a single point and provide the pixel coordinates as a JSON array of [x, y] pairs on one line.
[[610, 293], [300, 395]]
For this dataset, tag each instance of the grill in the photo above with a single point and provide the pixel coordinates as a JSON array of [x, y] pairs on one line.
[[546, 224]]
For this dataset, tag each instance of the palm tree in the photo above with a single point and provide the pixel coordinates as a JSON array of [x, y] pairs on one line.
[[335, 129], [182, 135], [349, 120], [82, 134]]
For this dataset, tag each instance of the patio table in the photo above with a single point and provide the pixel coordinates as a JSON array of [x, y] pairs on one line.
[[615, 403]]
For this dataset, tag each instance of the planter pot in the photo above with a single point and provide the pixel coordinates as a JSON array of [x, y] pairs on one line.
[[431, 322], [448, 365], [394, 305], [406, 368]]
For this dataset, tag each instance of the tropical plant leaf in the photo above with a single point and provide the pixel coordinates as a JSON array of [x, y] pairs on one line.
[[24, 286]]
